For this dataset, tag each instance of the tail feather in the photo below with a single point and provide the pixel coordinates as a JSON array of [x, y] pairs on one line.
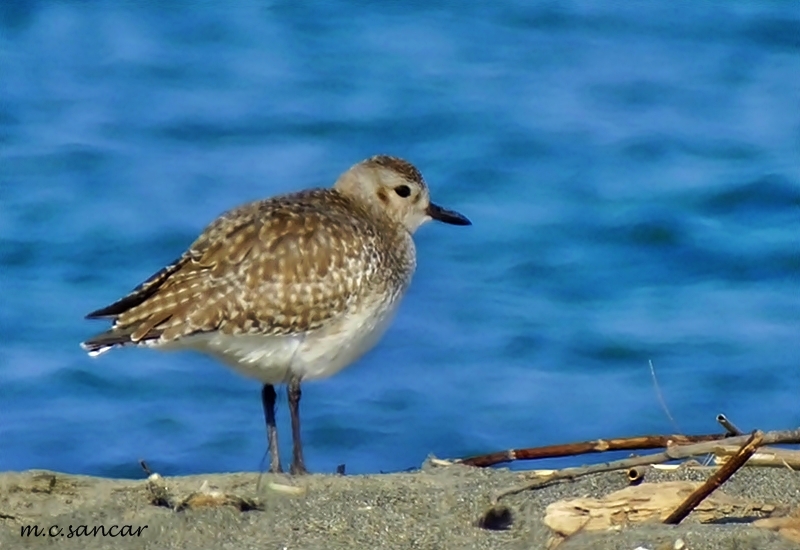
[[136, 333]]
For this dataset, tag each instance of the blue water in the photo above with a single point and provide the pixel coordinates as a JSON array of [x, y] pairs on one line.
[[632, 171]]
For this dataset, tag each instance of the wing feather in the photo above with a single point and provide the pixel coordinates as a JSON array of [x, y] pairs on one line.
[[275, 267]]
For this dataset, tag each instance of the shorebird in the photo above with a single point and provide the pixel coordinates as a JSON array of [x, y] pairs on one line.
[[287, 289]]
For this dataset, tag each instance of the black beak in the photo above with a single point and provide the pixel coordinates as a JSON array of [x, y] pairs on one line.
[[447, 216]]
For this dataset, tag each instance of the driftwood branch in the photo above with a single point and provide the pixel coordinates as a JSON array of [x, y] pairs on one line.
[[765, 456], [673, 452], [638, 443], [645, 503], [716, 479]]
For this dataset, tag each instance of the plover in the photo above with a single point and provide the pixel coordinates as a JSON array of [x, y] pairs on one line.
[[287, 289]]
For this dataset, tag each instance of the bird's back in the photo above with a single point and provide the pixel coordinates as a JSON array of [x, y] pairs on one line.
[[280, 266]]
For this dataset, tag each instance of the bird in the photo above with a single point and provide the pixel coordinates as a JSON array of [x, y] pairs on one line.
[[287, 289]]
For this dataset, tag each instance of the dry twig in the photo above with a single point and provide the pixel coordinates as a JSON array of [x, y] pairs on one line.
[[637, 443], [729, 426], [673, 452], [716, 479], [765, 456]]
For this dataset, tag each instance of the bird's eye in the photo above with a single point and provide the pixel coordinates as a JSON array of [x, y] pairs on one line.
[[403, 190]]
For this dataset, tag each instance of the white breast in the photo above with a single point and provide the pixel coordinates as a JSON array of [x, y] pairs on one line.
[[317, 354], [327, 351]]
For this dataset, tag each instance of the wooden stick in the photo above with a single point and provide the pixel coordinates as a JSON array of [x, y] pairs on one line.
[[673, 452], [729, 426], [716, 479], [637, 443], [765, 456]]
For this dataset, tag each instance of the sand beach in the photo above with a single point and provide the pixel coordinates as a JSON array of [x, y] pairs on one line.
[[437, 507]]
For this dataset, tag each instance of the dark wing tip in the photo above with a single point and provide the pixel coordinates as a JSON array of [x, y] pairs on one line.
[[120, 306], [102, 313], [138, 294]]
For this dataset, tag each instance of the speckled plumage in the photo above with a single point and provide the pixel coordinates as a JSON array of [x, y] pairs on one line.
[[281, 266], [290, 288]]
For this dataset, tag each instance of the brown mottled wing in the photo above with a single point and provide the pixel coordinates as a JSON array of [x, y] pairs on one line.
[[273, 267], [140, 293], [213, 232]]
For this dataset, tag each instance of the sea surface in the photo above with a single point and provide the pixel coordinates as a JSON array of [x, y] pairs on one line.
[[632, 171]]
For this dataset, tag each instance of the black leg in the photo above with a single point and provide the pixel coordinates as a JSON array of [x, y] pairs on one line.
[[268, 400], [293, 391]]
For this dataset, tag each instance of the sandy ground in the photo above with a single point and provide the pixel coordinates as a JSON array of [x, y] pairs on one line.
[[435, 508]]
